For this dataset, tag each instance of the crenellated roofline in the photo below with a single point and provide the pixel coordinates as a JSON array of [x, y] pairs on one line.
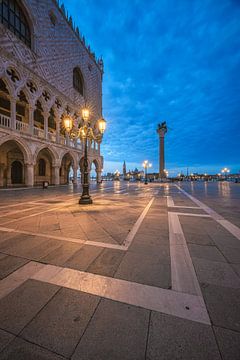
[[79, 36]]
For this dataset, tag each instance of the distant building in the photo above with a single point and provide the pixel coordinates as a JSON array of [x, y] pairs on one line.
[[46, 71]]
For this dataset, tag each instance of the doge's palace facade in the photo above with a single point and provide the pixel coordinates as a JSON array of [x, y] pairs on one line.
[[46, 71]]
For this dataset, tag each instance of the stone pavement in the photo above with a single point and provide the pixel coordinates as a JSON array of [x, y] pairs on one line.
[[146, 272]]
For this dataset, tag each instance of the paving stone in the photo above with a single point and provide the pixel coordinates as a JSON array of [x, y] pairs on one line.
[[199, 239], [40, 250], [5, 339], [228, 342], [223, 306], [14, 241], [145, 269], [117, 331], [223, 241], [236, 268], [231, 254], [206, 252], [60, 325], [8, 264], [217, 273], [60, 255], [107, 262], [84, 257], [174, 338], [22, 304], [23, 350]]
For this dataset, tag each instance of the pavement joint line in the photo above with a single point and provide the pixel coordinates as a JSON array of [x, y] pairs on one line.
[[233, 229], [127, 242], [183, 275], [170, 302], [170, 203]]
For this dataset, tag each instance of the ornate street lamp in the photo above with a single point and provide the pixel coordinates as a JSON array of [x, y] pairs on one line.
[[146, 165], [84, 132], [225, 171]]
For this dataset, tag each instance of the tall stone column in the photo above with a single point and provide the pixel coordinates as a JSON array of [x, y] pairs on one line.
[[56, 177], [58, 129], [75, 169], [29, 175], [46, 116], [162, 130], [13, 113], [99, 176], [31, 119], [1, 174]]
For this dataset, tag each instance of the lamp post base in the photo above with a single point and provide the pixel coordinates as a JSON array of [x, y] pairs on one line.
[[85, 200]]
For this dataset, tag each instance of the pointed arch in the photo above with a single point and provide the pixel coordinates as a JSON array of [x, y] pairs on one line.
[[53, 154], [21, 144]]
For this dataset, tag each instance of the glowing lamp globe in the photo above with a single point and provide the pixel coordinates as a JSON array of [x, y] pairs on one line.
[[85, 114], [102, 125], [68, 123]]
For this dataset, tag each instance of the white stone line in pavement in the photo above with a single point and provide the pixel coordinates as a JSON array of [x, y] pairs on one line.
[[183, 275], [12, 281], [233, 229], [127, 242], [68, 239], [55, 237], [19, 211], [170, 203], [59, 206], [191, 214], [60, 197], [170, 302]]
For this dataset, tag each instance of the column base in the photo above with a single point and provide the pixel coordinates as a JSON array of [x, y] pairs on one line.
[[85, 200]]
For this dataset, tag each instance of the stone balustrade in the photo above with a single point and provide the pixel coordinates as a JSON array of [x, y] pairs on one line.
[[23, 127], [5, 121]]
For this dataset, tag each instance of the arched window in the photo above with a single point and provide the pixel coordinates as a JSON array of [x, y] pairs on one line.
[[12, 16], [5, 105], [38, 116], [51, 120], [78, 80], [42, 167]]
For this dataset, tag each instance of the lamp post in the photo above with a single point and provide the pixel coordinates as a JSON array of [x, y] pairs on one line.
[[146, 166], [225, 171], [84, 132]]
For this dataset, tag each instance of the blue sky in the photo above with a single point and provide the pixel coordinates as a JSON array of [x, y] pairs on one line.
[[171, 60]]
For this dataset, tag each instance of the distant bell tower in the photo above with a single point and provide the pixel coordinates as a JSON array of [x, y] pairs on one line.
[[162, 130], [124, 170]]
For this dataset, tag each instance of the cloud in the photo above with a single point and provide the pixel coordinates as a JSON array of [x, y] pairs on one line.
[[168, 60]]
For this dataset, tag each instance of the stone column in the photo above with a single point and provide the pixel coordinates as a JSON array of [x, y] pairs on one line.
[[29, 175], [13, 113], [75, 169], [1, 174], [31, 119], [99, 176], [46, 116], [56, 178], [162, 130], [57, 129]]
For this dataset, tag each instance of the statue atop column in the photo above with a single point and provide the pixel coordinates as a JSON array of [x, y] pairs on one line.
[[162, 130]]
